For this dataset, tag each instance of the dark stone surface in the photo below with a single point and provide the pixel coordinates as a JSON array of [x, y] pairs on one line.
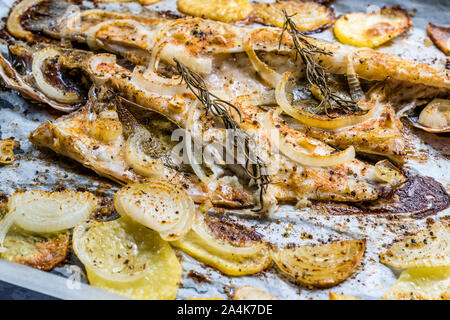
[[12, 292]]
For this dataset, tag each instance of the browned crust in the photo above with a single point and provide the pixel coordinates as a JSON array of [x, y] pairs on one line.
[[418, 197], [48, 253], [230, 231], [440, 36]]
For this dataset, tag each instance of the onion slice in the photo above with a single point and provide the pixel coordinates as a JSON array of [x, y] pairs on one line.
[[312, 120], [353, 82], [149, 78], [14, 80], [190, 134], [300, 156], [427, 248], [39, 60], [136, 157], [435, 117], [321, 266], [269, 75], [158, 205], [14, 25], [44, 212], [47, 212]]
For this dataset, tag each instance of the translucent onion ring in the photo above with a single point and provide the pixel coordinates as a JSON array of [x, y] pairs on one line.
[[39, 59], [136, 158], [306, 159], [313, 120], [269, 75], [435, 117], [13, 24], [159, 205]]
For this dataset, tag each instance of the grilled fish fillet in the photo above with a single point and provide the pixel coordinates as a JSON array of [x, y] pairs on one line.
[[71, 135], [203, 39], [203, 44]]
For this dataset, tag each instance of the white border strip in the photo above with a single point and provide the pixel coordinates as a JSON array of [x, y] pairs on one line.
[[50, 284]]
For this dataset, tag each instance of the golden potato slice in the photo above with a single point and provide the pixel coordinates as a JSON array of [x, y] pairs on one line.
[[341, 296], [321, 266], [440, 37], [252, 293], [427, 248], [307, 15], [7, 150], [37, 251], [226, 246], [372, 29], [221, 10], [128, 259], [421, 284]]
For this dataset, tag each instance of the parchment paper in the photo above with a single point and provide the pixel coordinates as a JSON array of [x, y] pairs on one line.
[[42, 169]]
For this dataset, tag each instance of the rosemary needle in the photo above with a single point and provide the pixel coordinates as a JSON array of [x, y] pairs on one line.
[[315, 73], [254, 166]]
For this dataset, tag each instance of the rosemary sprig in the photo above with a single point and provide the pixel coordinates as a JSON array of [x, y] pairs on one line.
[[315, 73], [254, 166]]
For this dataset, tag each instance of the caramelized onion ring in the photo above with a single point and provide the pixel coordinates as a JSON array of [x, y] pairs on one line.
[[307, 159], [13, 24], [39, 59], [312, 120], [269, 75]]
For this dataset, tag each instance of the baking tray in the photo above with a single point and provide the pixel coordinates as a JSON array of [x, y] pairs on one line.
[[42, 169]]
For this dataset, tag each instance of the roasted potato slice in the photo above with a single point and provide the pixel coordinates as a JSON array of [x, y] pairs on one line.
[[42, 252], [7, 150], [307, 15], [341, 296], [252, 293], [427, 248], [221, 10], [421, 284], [372, 29], [321, 266], [128, 259], [440, 37], [226, 246]]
